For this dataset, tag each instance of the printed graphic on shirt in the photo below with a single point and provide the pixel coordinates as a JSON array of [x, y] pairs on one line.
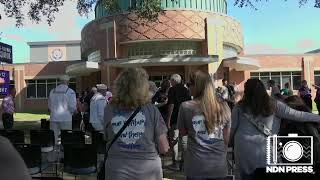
[[201, 130], [132, 133]]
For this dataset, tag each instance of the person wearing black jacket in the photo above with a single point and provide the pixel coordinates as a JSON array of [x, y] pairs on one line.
[[86, 104], [177, 94], [160, 99]]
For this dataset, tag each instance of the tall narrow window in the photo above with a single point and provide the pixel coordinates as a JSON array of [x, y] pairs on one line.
[[317, 78]]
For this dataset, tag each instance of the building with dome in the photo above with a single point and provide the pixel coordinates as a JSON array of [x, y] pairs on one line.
[[189, 35]]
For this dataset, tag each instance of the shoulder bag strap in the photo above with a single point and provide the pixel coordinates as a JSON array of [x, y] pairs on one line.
[[259, 125], [126, 124]]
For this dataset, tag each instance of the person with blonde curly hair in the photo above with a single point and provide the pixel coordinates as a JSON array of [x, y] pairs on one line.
[[144, 139]]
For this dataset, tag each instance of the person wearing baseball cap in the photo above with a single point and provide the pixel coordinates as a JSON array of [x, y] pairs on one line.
[[97, 104], [62, 104]]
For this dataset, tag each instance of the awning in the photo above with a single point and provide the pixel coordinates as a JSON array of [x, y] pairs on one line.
[[163, 61], [241, 64], [83, 68]]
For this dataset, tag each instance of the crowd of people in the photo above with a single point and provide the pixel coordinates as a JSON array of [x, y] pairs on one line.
[[69, 111], [199, 117], [196, 116], [304, 93]]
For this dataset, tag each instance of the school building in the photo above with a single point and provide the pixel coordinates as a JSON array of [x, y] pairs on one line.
[[188, 36]]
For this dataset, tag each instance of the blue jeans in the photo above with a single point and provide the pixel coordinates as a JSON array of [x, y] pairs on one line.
[[203, 178]]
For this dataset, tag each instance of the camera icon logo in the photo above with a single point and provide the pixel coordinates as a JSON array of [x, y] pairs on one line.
[[290, 150]]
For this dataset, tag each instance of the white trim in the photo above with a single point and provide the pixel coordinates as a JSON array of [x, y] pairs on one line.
[[242, 64], [83, 68], [316, 68], [163, 61], [229, 51], [278, 69], [95, 56], [46, 43], [41, 77], [36, 98], [115, 39]]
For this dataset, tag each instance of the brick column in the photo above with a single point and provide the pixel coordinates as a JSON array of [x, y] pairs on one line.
[[239, 77], [105, 77], [79, 87], [112, 75], [308, 69], [20, 86], [308, 72]]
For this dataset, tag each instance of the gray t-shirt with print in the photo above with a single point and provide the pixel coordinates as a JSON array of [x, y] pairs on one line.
[[206, 153], [137, 145]]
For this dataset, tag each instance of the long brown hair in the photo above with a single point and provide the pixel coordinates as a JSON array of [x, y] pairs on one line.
[[215, 112], [256, 99]]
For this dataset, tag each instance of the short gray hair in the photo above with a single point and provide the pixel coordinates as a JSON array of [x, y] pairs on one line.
[[176, 78], [64, 78], [94, 89]]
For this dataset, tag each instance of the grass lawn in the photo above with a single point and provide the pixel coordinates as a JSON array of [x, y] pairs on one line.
[[37, 115], [30, 116]]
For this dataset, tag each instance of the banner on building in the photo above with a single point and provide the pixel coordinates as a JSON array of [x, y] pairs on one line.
[[5, 53], [4, 82]]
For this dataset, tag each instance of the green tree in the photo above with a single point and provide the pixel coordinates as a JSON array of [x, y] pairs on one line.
[[146, 9]]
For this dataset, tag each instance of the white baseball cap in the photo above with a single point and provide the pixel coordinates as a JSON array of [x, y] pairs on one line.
[[102, 86]]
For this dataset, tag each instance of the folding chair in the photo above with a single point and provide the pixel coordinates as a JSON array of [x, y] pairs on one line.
[[31, 155], [99, 142], [44, 138], [80, 159], [72, 137], [15, 136], [45, 124]]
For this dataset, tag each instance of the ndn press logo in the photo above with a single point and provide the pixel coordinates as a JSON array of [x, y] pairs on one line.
[[290, 154]]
